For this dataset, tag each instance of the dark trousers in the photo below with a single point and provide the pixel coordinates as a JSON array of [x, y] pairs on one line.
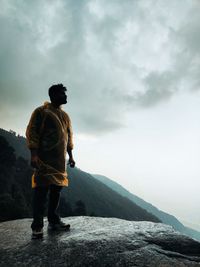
[[39, 202]]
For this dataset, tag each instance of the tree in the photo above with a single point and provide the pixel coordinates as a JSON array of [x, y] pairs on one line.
[[65, 208], [7, 163], [7, 153], [80, 208]]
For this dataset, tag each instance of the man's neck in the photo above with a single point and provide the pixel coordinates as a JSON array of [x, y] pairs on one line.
[[55, 105]]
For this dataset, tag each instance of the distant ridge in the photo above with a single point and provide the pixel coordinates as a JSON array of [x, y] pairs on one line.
[[100, 200], [163, 216]]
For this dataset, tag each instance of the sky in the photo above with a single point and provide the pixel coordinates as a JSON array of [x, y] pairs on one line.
[[132, 71]]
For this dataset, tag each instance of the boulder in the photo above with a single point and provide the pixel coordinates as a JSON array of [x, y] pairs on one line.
[[97, 241]]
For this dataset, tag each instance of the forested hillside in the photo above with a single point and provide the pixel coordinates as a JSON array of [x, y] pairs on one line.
[[84, 196]]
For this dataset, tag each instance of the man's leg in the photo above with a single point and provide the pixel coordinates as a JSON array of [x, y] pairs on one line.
[[39, 200], [54, 198]]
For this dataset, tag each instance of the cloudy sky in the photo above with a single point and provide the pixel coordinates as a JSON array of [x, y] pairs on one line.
[[132, 69]]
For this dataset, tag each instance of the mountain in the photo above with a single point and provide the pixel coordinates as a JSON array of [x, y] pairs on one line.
[[195, 226], [163, 216], [100, 200], [84, 196], [94, 195], [17, 142]]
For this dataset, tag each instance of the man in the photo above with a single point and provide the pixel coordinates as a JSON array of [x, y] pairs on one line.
[[49, 137]]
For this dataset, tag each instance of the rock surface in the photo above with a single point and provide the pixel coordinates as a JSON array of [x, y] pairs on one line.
[[98, 242]]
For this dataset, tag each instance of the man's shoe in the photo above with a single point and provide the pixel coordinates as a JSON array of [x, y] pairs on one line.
[[60, 226], [37, 234]]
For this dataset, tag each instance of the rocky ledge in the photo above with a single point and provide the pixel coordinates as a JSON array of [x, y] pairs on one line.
[[97, 242]]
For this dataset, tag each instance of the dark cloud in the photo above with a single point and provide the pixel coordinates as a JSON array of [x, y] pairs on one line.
[[113, 56]]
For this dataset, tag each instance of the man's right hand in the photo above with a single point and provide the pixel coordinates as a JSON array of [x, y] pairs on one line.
[[34, 158], [34, 161]]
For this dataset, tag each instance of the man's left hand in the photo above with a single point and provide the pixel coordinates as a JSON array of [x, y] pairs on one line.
[[71, 162]]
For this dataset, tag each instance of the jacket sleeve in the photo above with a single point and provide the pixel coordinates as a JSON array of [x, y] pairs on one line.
[[33, 129], [70, 144]]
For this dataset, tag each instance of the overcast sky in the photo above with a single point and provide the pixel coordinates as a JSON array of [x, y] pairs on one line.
[[132, 69]]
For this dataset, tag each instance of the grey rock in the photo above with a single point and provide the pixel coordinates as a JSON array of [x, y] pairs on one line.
[[97, 242]]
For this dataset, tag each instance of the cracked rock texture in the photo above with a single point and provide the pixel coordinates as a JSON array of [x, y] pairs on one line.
[[97, 242]]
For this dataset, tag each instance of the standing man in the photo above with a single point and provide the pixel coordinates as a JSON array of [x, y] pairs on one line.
[[49, 137]]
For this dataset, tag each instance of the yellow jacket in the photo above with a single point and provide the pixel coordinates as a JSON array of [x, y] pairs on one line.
[[50, 132]]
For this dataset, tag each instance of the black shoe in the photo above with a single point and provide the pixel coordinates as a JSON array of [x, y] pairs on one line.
[[60, 226], [37, 233]]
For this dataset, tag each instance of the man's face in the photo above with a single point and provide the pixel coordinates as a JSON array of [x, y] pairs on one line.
[[60, 97]]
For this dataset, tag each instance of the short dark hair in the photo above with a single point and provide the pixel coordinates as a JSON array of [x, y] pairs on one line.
[[55, 88]]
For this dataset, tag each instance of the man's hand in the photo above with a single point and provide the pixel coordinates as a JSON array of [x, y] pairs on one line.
[[34, 159], [71, 162]]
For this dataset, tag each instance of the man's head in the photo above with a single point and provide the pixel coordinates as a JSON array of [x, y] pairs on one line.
[[57, 94]]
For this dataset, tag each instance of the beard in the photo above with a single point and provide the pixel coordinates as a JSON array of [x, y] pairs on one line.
[[62, 100]]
